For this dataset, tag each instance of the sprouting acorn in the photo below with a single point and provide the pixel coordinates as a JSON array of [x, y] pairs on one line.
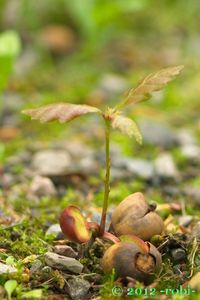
[[134, 216]]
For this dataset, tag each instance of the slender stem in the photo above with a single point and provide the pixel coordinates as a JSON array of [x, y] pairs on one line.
[[107, 177]]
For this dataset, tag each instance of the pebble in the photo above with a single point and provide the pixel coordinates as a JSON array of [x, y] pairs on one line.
[[185, 137], [112, 83], [26, 62], [140, 167], [36, 266], [165, 167], [132, 167], [55, 230], [157, 134], [193, 192], [4, 269], [178, 254], [78, 288], [196, 231], [185, 220], [191, 152], [65, 251], [42, 186], [63, 263], [51, 162]]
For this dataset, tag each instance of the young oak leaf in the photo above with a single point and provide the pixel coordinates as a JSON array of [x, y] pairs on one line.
[[62, 112], [153, 82], [126, 126]]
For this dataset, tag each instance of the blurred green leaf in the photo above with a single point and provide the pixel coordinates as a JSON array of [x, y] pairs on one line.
[[10, 47], [34, 294], [2, 152], [10, 44], [10, 286], [10, 261]]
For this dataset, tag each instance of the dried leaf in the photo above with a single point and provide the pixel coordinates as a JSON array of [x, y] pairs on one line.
[[127, 126], [63, 112], [151, 83]]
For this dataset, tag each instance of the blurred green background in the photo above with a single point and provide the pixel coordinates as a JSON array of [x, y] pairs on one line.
[[92, 51]]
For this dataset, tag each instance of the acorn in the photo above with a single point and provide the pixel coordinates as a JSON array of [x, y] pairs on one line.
[[132, 259], [134, 216]]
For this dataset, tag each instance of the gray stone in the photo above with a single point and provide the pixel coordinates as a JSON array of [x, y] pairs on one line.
[[51, 162], [191, 152], [192, 192], [140, 167], [78, 288], [4, 269], [157, 134], [112, 83], [132, 167], [54, 230], [185, 220], [42, 186], [63, 263], [178, 255], [165, 167], [26, 62], [76, 149], [36, 266], [185, 137], [65, 250], [196, 231]]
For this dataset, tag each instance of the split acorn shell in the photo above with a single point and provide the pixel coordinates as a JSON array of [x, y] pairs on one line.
[[132, 259], [134, 216]]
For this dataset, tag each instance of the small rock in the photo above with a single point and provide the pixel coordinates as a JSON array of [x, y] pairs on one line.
[[63, 263], [185, 220], [194, 282], [76, 149], [26, 62], [178, 254], [171, 190], [87, 166], [117, 174], [196, 231], [51, 162], [193, 192], [191, 152], [65, 251], [78, 288], [55, 230], [133, 167], [165, 167], [185, 137], [96, 217], [141, 168], [42, 186], [36, 266], [112, 83], [157, 134], [4, 269]]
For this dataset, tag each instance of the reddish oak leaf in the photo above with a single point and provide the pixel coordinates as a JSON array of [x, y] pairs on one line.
[[63, 112], [153, 82], [127, 126]]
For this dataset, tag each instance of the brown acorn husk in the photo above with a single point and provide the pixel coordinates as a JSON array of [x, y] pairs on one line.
[[133, 216], [128, 259]]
